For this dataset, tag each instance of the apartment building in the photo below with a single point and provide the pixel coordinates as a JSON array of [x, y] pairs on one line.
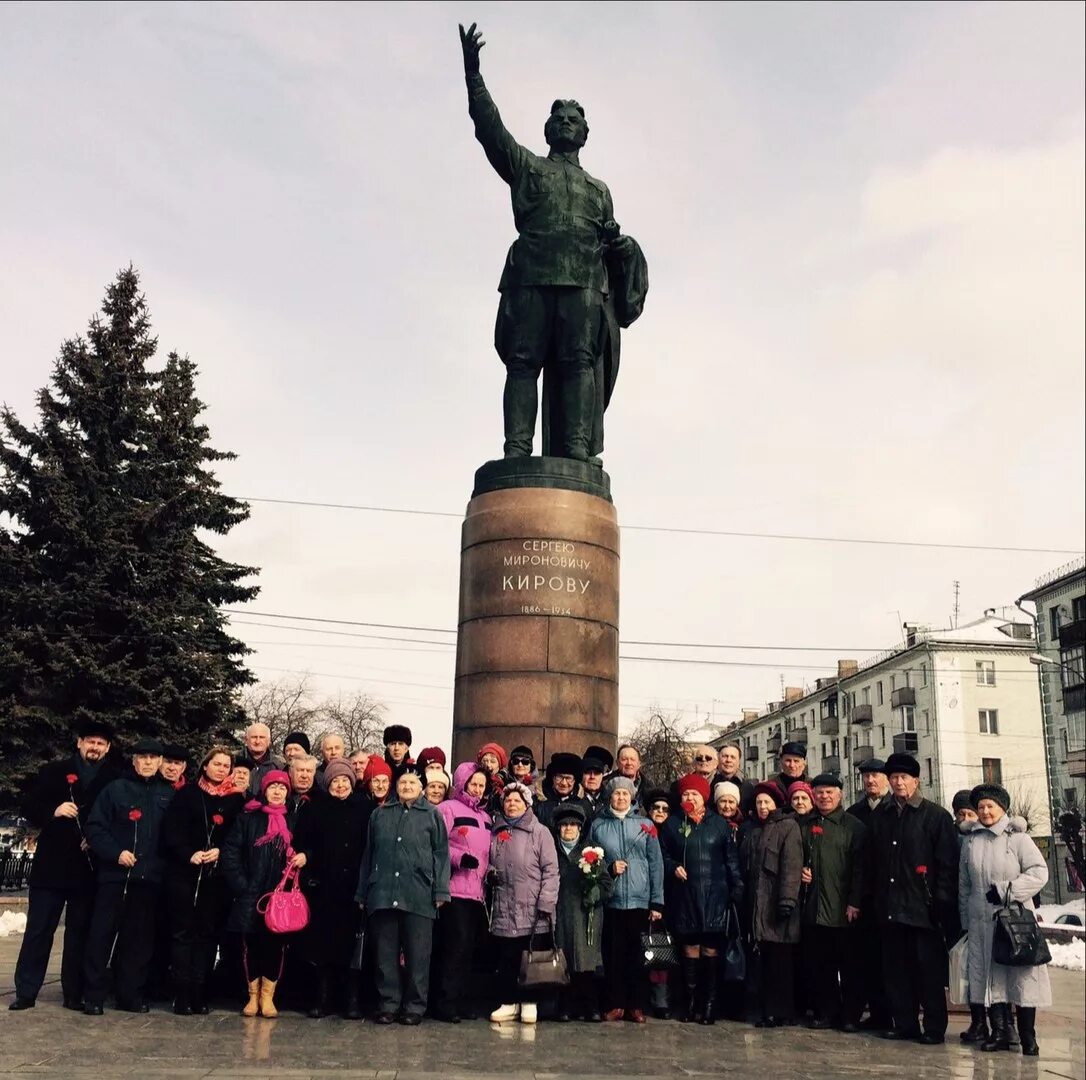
[[963, 701]]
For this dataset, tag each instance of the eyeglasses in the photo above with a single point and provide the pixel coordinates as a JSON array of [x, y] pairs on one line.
[[702, 757], [661, 807], [520, 761]]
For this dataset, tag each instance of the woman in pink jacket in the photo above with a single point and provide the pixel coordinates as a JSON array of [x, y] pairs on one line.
[[461, 920]]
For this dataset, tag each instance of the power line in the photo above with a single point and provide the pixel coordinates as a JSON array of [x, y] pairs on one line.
[[689, 532]]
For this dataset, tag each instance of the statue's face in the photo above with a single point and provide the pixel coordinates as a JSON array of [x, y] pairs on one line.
[[565, 129]]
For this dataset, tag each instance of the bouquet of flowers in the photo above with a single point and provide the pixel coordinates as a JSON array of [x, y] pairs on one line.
[[591, 864]]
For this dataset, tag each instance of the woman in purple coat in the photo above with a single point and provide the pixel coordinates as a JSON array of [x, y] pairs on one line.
[[461, 919], [524, 872]]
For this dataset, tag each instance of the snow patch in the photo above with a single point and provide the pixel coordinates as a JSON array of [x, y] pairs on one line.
[[12, 922], [1071, 957]]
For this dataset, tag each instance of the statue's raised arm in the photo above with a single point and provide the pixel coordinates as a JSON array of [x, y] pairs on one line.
[[502, 150]]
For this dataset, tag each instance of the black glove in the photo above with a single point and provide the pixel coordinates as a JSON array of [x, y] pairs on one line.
[[469, 862], [993, 897], [785, 909]]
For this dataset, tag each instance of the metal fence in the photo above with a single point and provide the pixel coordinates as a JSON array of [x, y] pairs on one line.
[[14, 869]]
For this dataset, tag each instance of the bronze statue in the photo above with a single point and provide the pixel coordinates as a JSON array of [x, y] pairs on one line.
[[571, 279]]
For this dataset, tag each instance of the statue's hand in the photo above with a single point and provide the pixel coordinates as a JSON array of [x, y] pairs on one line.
[[622, 246], [471, 41]]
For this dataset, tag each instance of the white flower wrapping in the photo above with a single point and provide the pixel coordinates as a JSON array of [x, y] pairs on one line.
[[587, 865]]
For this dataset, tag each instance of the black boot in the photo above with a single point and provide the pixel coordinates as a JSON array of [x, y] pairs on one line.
[[710, 968], [1012, 1031], [999, 1016], [198, 999], [319, 1006], [353, 1009], [182, 1002], [977, 1032], [1027, 1031], [690, 981]]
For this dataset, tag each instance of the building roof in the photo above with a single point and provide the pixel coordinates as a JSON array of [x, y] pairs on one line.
[[1055, 579]]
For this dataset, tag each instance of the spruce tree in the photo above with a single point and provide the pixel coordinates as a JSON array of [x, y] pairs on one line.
[[109, 591]]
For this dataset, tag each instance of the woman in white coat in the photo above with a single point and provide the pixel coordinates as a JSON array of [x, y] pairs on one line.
[[997, 855]]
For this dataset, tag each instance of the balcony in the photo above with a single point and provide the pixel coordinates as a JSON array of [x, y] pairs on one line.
[[1074, 699], [1073, 633], [773, 745], [908, 742], [861, 714], [752, 753], [832, 764], [906, 695], [1076, 764], [799, 735], [862, 754], [830, 725]]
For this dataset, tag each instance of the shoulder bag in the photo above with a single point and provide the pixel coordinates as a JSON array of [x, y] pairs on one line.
[[543, 968], [285, 908], [1018, 940]]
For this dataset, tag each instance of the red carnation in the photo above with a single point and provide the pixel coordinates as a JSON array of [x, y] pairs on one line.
[[505, 835], [462, 831], [649, 830], [135, 814], [816, 830], [922, 870], [71, 778], [217, 818], [590, 857]]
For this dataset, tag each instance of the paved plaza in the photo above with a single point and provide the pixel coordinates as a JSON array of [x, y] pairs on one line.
[[49, 1041]]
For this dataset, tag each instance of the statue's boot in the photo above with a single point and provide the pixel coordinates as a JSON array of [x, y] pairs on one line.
[[520, 404], [578, 403]]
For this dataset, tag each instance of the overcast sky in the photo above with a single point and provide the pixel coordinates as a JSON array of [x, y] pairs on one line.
[[864, 227]]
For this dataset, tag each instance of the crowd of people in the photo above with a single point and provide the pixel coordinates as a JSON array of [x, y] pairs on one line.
[[425, 891]]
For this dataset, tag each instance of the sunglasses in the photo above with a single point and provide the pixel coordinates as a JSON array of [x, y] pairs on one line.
[[702, 757], [520, 761], [662, 807]]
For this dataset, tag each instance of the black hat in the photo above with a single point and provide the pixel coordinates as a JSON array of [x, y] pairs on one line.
[[147, 745], [90, 726], [655, 795], [175, 752], [797, 748], [409, 768], [569, 811], [299, 738], [522, 751], [601, 755], [873, 765], [826, 780], [962, 800], [991, 791], [397, 733], [904, 763], [563, 763], [243, 761]]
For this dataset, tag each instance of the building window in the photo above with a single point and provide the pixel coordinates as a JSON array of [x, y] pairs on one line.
[[878, 691], [823, 749], [908, 718], [989, 722], [882, 736], [1066, 743], [923, 674], [865, 695], [1078, 608], [992, 770], [927, 722], [1054, 623], [908, 676], [1073, 666], [931, 778], [893, 683], [835, 748], [986, 673]]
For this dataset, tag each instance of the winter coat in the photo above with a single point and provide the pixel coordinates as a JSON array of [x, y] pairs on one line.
[[571, 921], [862, 810], [406, 865], [544, 810], [189, 827], [59, 861], [634, 840], [836, 858], [468, 826], [110, 829], [269, 763], [250, 871], [525, 876], [772, 861], [912, 866], [701, 904], [332, 835], [785, 782], [1001, 855]]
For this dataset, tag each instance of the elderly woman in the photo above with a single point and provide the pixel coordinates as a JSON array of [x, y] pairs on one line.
[[437, 784], [524, 873], [197, 821], [331, 835], [254, 857], [701, 864], [727, 797], [632, 850], [772, 860], [997, 859], [801, 798], [460, 922], [403, 881], [378, 780]]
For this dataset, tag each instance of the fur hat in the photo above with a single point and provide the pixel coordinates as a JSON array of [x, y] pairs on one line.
[[559, 764], [397, 733], [91, 726], [963, 800], [175, 752], [655, 795], [569, 811], [694, 782], [991, 791], [903, 763], [600, 755]]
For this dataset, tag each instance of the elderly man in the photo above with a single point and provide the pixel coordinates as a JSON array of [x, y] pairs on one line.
[[628, 764], [593, 770], [175, 760], [704, 761], [559, 787], [832, 903], [793, 767], [729, 759], [123, 832], [61, 876], [913, 885], [397, 742], [259, 751], [332, 746], [296, 744], [359, 759], [303, 774]]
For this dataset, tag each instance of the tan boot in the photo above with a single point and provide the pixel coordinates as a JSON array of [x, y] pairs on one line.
[[254, 996], [267, 995]]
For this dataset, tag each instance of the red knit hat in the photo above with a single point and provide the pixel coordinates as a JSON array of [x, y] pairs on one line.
[[496, 750], [694, 782], [800, 785], [376, 766], [431, 754]]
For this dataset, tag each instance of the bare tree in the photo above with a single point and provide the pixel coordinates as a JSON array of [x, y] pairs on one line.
[[661, 740], [1069, 823], [285, 705], [359, 719]]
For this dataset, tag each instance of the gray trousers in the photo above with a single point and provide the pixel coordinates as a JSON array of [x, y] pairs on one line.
[[392, 932]]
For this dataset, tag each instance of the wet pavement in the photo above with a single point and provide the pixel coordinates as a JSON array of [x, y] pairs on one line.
[[51, 1042]]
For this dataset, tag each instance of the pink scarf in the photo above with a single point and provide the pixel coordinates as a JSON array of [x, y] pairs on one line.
[[277, 827]]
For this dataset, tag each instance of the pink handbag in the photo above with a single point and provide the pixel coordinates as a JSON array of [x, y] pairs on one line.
[[285, 909]]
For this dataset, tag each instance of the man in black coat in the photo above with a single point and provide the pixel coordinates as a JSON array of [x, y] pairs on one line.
[[793, 763], [62, 876], [559, 787], [124, 832], [913, 881], [875, 799]]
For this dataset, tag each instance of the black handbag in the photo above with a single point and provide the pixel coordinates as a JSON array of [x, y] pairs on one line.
[[1018, 940], [735, 957], [545, 968], [658, 951]]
